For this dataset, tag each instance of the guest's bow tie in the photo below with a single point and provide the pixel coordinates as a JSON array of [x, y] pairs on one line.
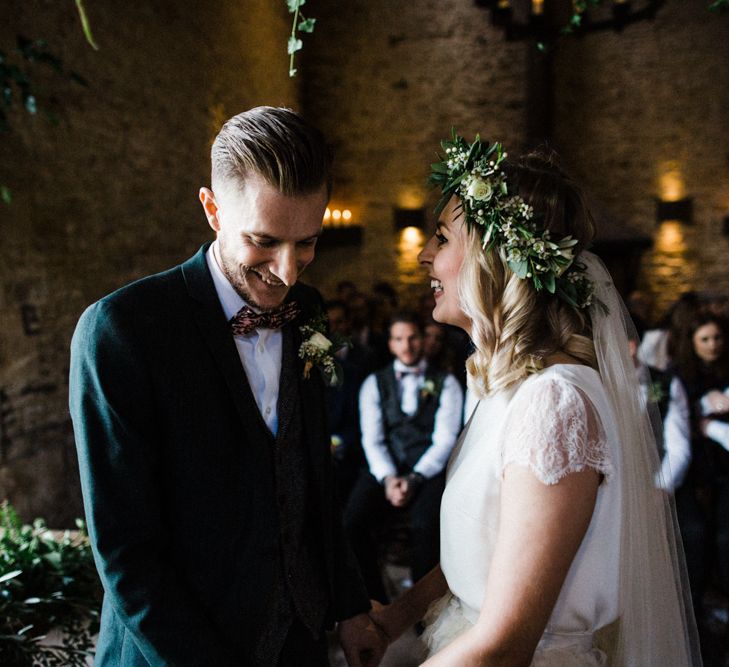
[[246, 320], [408, 371]]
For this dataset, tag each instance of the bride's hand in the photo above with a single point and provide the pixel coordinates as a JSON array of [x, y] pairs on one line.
[[362, 641], [378, 616]]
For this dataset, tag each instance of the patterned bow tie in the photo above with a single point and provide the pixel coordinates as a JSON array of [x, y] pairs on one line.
[[399, 375], [246, 320]]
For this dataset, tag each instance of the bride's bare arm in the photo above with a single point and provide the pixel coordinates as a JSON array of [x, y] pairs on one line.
[[541, 528], [411, 606]]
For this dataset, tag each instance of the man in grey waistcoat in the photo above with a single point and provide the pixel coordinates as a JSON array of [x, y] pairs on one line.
[[410, 415]]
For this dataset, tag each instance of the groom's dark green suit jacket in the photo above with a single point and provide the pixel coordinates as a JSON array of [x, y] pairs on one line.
[[174, 459]]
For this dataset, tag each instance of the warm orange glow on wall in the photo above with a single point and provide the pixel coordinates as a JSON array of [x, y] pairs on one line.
[[410, 243], [670, 238], [671, 182], [412, 237], [410, 197]]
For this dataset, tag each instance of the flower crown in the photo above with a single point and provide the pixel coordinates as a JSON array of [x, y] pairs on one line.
[[472, 172]]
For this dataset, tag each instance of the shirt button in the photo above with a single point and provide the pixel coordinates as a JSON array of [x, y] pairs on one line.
[[268, 411]]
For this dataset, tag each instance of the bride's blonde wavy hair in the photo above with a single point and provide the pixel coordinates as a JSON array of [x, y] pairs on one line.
[[515, 328]]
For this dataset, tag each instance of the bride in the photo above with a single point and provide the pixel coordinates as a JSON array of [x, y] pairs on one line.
[[555, 547]]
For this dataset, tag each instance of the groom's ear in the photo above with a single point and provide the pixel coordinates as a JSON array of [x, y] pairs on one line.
[[210, 206]]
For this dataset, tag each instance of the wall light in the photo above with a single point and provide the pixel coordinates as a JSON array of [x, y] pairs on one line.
[[678, 209], [408, 217], [340, 229]]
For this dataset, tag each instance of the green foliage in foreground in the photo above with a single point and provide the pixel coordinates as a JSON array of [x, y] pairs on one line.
[[47, 581]]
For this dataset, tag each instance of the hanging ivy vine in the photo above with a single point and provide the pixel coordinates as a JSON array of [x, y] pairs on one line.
[[299, 26]]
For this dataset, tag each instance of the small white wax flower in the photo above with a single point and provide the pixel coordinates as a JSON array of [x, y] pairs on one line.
[[567, 253], [319, 341], [479, 189]]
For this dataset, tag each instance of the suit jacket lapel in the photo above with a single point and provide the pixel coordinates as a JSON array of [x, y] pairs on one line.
[[215, 330]]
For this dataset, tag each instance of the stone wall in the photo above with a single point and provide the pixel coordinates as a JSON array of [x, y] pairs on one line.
[[634, 114], [109, 193], [644, 114], [386, 81]]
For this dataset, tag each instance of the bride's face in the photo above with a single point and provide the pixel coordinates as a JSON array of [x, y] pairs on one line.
[[443, 256]]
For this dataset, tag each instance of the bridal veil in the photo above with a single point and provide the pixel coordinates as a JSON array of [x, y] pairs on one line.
[[656, 625]]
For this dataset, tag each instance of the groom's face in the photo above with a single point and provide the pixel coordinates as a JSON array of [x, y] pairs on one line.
[[266, 239]]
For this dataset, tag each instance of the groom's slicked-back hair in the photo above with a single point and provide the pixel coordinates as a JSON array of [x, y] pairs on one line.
[[277, 144]]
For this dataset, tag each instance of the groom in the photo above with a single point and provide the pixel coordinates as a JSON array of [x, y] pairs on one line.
[[203, 448]]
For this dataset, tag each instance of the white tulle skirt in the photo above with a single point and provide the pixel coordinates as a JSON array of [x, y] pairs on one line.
[[446, 620]]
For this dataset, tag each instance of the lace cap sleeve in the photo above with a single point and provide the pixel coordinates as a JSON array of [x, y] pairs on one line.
[[553, 429]]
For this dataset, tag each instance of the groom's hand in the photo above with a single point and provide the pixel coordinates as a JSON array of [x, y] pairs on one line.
[[362, 641]]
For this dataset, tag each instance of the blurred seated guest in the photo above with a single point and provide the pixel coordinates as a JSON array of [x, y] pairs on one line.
[[410, 413], [384, 292], [346, 289], [343, 402], [701, 359], [360, 311], [383, 303], [653, 350], [664, 391], [640, 306], [454, 342], [435, 350]]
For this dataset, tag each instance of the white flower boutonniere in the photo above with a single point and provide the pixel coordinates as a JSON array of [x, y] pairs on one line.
[[430, 388], [318, 350]]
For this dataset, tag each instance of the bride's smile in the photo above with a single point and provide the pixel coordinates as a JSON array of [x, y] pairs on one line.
[[443, 257]]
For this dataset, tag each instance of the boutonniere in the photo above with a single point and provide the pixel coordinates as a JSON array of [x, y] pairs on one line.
[[318, 350], [656, 393], [430, 388]]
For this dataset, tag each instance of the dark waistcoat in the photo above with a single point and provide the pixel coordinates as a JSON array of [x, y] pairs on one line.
[[408, 436], [300, 589], [659, 394]]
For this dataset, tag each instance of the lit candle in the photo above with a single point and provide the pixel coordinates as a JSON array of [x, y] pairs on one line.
[[537, 7], [346, 216], [336, 216]]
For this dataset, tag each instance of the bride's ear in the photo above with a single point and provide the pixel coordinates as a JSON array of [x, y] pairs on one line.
[[210, 206]]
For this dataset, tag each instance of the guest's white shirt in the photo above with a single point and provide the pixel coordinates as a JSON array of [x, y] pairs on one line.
[[653, 349], [717, 430], [446, 427], [259, 352], [676, 433]]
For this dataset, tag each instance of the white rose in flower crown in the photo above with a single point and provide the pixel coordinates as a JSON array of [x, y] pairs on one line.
[[319, 341], [479, 189]]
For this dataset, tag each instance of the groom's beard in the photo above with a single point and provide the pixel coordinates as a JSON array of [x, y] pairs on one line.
[[244, 278]]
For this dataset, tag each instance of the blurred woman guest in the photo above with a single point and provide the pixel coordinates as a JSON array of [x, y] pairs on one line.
[[701, 359], [556, 548]]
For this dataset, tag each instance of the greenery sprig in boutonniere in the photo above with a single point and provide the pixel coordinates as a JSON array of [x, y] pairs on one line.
[[656, 392], [318, 350], [431, 387]]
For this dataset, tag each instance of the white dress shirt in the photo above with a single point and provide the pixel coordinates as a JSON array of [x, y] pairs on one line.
[[717, 430], [259, 352], [676, 433], [446, 427]]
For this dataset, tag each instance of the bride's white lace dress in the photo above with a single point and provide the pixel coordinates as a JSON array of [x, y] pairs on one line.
[[555, 422]]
